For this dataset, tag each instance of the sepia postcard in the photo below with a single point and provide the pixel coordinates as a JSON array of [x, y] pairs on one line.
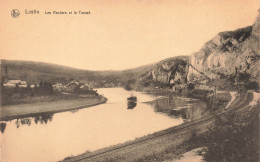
[[129, 81]]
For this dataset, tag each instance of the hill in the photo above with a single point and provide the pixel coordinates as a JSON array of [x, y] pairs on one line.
[[34, 72]]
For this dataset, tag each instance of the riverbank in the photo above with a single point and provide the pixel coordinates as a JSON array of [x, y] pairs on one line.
[[164, 145], [207, 104], [9, 112]]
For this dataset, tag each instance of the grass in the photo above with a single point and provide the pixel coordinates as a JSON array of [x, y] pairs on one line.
[[14, 100], [165, 148], [55, 105]]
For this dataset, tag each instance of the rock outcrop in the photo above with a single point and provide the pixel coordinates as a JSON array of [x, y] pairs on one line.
[[226, 52], [167, 72]]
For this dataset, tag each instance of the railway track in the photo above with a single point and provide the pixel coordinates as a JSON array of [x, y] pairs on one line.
[[174, 130]]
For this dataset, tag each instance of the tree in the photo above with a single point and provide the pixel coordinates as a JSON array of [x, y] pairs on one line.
[[234, 138], [40, 84], [129, 83], [50, 88]]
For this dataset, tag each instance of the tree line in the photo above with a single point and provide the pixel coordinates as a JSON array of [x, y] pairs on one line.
[[44, 88]]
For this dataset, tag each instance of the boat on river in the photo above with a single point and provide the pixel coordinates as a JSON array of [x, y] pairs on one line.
[[131, 102], [132, 98]]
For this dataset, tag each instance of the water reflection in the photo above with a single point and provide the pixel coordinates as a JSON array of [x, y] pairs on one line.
[[65, 134], [2, 127], [179, 113], [180, 107], [131, 105], [22, 121], [74, 111], [131, 102], [43, 118]]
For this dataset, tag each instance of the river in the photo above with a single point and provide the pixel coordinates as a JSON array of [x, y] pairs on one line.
[[52, 137]]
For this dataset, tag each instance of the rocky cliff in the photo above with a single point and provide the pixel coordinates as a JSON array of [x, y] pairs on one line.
[[167, 72], [219, 58], [226, 52]]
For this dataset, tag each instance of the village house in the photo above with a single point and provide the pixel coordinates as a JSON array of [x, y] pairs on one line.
[[72, 87], [9, 85], [85, 87], [32, 86], [22, 84], [14, 83], [58, 87], [5, 77], [93, 84]]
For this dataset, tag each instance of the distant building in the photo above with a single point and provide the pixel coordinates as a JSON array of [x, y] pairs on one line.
[[5, 77], [9, 85], [85, 87], [72, 87], [74, 82], [32, 86], [6, 82], [14, 83], [93, 84], [22, 85], [58, 87]]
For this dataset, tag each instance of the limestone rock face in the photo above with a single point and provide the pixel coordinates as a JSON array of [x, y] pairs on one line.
[[256, 27], [228, 50], [218, 58], [170, 71]]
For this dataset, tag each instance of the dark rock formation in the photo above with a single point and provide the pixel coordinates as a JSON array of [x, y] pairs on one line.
[[167, 72]]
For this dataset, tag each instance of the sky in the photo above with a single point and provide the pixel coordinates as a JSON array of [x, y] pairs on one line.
[[116, 35]]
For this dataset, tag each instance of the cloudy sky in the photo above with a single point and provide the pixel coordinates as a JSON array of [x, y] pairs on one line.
[[116, 35]]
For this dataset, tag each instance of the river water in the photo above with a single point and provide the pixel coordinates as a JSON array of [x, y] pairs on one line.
[[52, 137]]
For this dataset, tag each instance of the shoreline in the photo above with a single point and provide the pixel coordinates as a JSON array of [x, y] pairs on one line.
[[101, 100], [143, 147]]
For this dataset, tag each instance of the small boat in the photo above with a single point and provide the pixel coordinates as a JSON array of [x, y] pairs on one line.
[[132, 98], [131, 102]]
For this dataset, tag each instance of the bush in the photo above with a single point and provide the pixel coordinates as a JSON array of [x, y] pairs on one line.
[[253, 85], [233, 138]]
